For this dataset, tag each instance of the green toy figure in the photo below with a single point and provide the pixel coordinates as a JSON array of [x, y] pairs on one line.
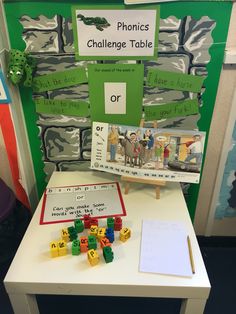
[[20, 68], [99, 22]]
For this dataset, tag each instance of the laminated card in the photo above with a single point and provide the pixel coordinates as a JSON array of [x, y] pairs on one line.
[[165, 154]]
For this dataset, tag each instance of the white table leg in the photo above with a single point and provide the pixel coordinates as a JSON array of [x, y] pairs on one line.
[[193, 306], [24, 303]]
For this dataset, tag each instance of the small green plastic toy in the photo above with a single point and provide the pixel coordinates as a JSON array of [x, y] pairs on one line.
[[20, 68], [99, 22]]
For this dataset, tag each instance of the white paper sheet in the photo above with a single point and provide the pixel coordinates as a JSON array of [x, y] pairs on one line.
[[164, 248]]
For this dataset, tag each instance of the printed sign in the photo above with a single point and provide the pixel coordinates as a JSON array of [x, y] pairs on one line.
[[58, 80], [4, 94], [62, 204], [162, 154], [116, 33], [62, 106], [116, 92], [173, 80], [115, 98], [171, 110]]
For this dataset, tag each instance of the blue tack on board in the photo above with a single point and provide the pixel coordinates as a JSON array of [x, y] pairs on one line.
[[4, 93]]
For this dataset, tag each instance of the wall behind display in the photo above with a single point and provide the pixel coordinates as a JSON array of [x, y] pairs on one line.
[[226, 205], [191, 40]]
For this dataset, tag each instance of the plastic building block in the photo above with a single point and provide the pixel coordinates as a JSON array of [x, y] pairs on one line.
[[87, 219], [79, 225], [65, 235], [118, 224], [93, 257], [93, 222], [108, 254], [104, 242], [110, 234], [83, 244], [125, 234], [101, 233], [93, 230], [54, 249], [75, 248], [110, 222], [62, 248], [92, 242], [72, 233]]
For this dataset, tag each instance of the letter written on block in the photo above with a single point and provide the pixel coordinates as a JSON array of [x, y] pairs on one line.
[[110, 222], [101, 233], [93, 230], [83, 244], [92, 242], [54, 249], [87, 219], [125, 234], [79, 225], [118, 224], [110, 234], [65, 235], [108, 254], [62, 247], [75, 248], [104, 242], [93, 222], [93, 257]]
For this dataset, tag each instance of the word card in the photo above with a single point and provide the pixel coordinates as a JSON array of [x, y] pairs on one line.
[[62, 204]]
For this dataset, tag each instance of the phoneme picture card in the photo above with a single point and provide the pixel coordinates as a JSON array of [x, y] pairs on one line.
[[63, 204], [165, 154]]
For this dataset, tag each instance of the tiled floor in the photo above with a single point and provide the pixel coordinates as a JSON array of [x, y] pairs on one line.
[[220, 260]]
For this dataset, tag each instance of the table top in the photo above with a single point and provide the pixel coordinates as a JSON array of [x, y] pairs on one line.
[[34, 271]]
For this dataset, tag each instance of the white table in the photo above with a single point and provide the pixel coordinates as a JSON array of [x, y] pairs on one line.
[[33, 271]]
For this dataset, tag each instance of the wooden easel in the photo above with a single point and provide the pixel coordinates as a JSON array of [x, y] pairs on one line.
[[157, 183], [142, 122]]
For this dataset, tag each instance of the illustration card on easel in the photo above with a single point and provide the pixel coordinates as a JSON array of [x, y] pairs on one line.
[[115, 32], [165, 154]]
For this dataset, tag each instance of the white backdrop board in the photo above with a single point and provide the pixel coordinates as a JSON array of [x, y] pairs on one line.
[[62, 204]]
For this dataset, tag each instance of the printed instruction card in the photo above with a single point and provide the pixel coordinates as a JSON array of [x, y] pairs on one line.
[[62, 204]]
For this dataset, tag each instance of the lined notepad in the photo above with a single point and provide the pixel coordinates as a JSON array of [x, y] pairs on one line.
[[164, 248]]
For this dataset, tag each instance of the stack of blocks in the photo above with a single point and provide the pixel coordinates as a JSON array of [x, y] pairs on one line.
[[88, 244], [58, 248]]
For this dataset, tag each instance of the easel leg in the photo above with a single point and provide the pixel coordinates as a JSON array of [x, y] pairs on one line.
[[127, 186], [158, 193]]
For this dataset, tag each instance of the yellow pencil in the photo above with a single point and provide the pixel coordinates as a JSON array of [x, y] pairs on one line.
[[191, 255]]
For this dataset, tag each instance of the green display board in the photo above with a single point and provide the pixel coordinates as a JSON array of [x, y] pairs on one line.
[[191, 41]]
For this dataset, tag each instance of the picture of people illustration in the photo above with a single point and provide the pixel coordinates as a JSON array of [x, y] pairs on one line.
[[155, 149]]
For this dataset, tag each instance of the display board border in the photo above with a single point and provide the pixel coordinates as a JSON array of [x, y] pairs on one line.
[[218, 11]]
